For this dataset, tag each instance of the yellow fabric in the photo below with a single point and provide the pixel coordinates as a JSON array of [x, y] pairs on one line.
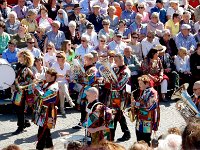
[[32, 26], [174, 28]]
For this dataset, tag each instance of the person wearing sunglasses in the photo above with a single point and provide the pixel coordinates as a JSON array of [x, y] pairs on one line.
[[30, 46], [62, 17], [50, 55], [63, 69], [141, 10], [196, 90]]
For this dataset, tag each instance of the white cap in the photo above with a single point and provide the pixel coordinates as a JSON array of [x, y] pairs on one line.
[[185, 26]]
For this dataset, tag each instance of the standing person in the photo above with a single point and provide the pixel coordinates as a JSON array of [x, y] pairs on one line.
[[24, 77], [148, 112], [47, 98], [118, 89], [63, 69], [99, 129]]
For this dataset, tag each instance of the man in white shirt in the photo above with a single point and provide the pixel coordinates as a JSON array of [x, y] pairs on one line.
[[174, 8], [91, 34], [117, 44], [84, 47], [149, 42]]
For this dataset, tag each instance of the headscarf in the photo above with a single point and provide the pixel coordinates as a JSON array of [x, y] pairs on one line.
[[65, 17]]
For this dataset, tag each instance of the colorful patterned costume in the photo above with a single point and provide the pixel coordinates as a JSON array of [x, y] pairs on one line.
[[98, 115]]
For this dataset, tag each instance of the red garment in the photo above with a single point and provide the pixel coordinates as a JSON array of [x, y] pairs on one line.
[[194, 3], [152, 83]]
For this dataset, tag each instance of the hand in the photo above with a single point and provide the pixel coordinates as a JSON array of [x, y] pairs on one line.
[[92, 130], [160, 78]]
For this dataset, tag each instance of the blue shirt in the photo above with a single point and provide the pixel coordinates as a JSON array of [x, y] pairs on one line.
[[162, 14], [11, 57], [128, 16], [134, 28], [188, 42], [56, 38]]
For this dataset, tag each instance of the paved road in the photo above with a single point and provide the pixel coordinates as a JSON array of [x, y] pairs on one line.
[[169, 118]]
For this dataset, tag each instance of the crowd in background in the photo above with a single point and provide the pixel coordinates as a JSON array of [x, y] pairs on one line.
[[159, 38]]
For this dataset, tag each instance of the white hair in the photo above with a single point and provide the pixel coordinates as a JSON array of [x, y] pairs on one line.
[[166, 31], [171, 142], [86, 37], [13, 13], [72, 23], [129, 2], [93, 90]]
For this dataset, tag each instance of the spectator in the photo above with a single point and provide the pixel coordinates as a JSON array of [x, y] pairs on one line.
[[10, 54], [96, 18], [141, 10], [167, 41], [124, 30], [35, 5], [173, 24], [155, 25], [30, 46], [149, 42], [168, 66], [174, 8], [39, 69], [55, 36], [117, 44], [21, 36], [39, 38], [12, 147], [63, 69], [4, 37], [197, 26], [66, 47], [152, 66], [76, 15], [73, 34], [109, 33], [30, 21], [186, 20], [160, 10], [136, 46], [20, 9], [50, 55], [195, 64], [4, 9], [103, 6], [85, 5], [52, 8], [140, 145], [114, 20], [102, 48], [91, 34], [128, 14], [12, 23], [197, 36], [133, 64], [137, 25], [190, 136], [74, 145], [83, 48], [171, 142], [44, 21], [83, 23], [182, 63], [62, 17], [185, 39]]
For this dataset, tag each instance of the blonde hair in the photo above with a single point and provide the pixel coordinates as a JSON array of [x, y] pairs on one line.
[[144, 78], [110, 8], [181, 51], [63, 55], [50, 44], [63, 47], [28, 57], [89, 56]]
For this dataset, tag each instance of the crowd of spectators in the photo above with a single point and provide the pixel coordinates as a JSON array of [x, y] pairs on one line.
[[157, 37]]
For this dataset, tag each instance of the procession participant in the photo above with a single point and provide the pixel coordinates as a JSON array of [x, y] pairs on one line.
[[98, 128], [47, 118], [89, 80], [63, 69], [21, 97], [196, 90], [148, 112], [118, 90]]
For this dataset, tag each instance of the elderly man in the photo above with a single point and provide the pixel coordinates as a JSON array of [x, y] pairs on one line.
[[149, 42], [128, 14], [83, 48], [133, 64], [55, 36], [196, 90], [185, 39], [117, 44], [96, 18]]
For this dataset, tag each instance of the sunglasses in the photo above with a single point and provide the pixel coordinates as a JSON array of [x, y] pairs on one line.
[[140, 7], [105, 24], [49, 48], [134, 37], [102, 41], [31, 42], [83, 41], [196, 89], [60, 13], [38, 31], [151, 37], [59, 57]]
